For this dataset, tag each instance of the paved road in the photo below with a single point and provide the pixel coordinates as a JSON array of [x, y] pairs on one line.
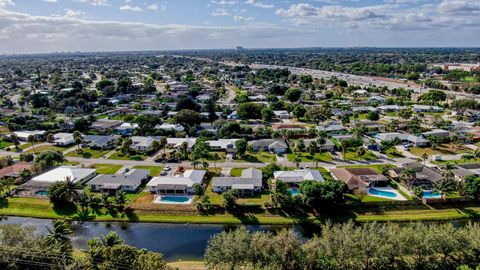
[[284, 162]]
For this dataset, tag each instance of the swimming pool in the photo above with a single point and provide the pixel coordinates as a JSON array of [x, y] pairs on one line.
[[431, 195], [170, 199], [294, 191], [42, 193], [383, 193]]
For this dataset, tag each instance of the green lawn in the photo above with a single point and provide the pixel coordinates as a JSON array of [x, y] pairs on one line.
[[306, 157], [106, 168], [257, 157], [88, 153], [393, 153], [257, 199], [456, 161], [42, 208], [444, 149], [221, 156], [352, 155], [120, 156], [43, 148], [154, 170], [5, 144]]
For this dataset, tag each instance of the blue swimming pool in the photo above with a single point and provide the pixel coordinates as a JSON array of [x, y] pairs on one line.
[[430, 195], [175, 199], [42, 193], [383, 193], [294, 191]]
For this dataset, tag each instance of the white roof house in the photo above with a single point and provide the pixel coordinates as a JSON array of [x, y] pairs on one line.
[[63, 138], [166, 126], [76, 174], [223, 143], [23, 135], [177, 142], [298, 176], [181, 183]]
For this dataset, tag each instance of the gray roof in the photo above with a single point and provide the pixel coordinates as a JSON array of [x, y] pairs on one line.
[[271, 143], [133, 177], [421, 172], [250, 176]]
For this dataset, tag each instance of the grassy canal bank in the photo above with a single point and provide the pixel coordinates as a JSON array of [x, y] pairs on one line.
[[42, 208]]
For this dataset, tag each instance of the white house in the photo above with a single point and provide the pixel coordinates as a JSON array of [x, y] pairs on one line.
[[59, 174], [298, 176], [250, 182], [63, 139], [111, 183], [177, 184], [23, 135]]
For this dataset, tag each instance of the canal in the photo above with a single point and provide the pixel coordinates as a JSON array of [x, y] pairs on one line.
[[174, 241]]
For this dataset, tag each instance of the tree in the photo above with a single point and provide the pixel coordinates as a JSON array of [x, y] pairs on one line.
[[197, 189], [14, 139], [297, 160], [241, 147], [57, 236], [31, 139], [162, 144], [188, 119], [373, 116], [293, 94], [471, 187], [50, 138], [63, 191], [408, 176], [267, 114], [230, 199], [433, 97], [321, 194], [424, 157], [77, 138], [120, 200], [318, 114], [299, 111], [249, 110]]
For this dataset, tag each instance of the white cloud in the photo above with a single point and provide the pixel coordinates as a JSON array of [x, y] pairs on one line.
[[466, 7], [220, 12], [4, 3], [258, 4], [224, 2], [155, 7], [131, 8], [239, 18], [74, 13], [50, 1], [95, 2]]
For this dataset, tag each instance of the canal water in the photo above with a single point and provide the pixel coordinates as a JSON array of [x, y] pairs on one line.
[[174, 241]]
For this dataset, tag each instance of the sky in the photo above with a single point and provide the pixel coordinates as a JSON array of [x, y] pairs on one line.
[[39, 26]]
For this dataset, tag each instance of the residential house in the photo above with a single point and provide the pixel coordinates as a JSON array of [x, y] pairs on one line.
[[177, 142], [181, 183], [463, 170], [126, 129], [111, 183], [141, 143], [278, 127], [248, 183], [327, 146], [105, 124], [76, 174], [358, 177], [282, 115], [332, 127], [23, 135], [404, 137], [390, 108], [425, 176], [294, 178], [166, 126], [100, 141], [14, 170], [440, 133], [272, 145], [227, 145], [426, 108], [63, 139]]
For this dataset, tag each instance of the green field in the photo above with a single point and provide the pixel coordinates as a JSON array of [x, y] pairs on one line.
[[306, 157], [106, 168], [377, 167], [5, 144], [236, 172], [43, 148], [120, 156], [352, 155], [257, 157], [444, 149], [393, 153], [87, 153]]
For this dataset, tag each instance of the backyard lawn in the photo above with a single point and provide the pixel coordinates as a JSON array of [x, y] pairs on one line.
[[106, 168], [236, 172], [221, 157], [352, 155], [154, 170], [306, 157], [376, 167], [444, 149], [88, 153], [393, 153], [257, 157]]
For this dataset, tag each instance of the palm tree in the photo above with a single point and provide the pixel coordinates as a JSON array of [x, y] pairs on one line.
[[424, 158], [111, 239], [215, 157], [105, 198], [63, 191], [120, 200], [58, 236], [163, 144], [77, 138], [445, 186], [344, 144], [31, 139], [15, 140], [316, 160], [297, 161], [83, 200], [408, 176], [195, 163]]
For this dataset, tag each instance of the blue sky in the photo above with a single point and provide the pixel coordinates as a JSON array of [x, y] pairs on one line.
[[28, 26]]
